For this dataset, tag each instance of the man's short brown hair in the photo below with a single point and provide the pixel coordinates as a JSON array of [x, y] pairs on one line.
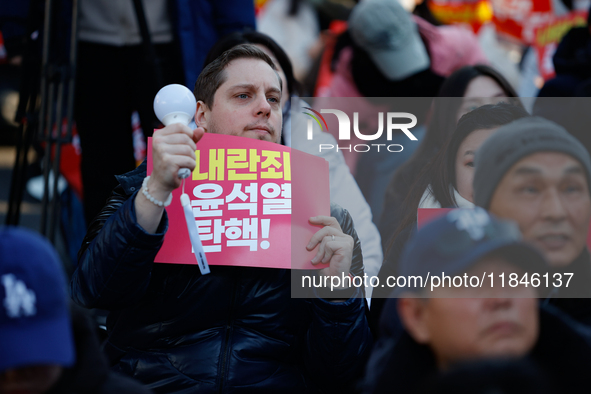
[[213, 76]]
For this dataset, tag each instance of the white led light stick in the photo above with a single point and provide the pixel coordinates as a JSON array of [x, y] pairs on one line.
[[176, 104]]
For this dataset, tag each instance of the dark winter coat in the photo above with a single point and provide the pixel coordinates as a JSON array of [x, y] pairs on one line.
[[234, 330], [91, 373]]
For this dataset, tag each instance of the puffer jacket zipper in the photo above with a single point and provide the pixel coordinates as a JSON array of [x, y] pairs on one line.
[[229, 328]]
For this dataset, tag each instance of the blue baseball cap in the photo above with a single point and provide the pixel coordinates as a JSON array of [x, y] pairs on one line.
[[453, 243], [35, 325]]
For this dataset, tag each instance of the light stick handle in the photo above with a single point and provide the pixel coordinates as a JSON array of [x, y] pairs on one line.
[[194, 235]]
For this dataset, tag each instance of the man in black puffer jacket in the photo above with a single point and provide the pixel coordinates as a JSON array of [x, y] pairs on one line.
[[236, 329]]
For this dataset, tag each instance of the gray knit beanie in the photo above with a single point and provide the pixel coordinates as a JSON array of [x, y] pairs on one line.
[[514, 141]]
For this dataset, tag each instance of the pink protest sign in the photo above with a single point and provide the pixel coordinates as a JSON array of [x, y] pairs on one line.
[[425, 215], [548, 35], [251, 200]]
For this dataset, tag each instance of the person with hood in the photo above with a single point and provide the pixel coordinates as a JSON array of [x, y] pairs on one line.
[[565, 99], [572, 65]]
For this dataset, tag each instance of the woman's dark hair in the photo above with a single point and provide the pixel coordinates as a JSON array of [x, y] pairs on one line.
[[294, 7], [445, 112], [441, 124], [254, 37], [440, 173], [443, 167]]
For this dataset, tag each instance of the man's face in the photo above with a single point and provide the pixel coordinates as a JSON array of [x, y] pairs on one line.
[[548, 196], [285, 92], [247, 104], [470, 327]]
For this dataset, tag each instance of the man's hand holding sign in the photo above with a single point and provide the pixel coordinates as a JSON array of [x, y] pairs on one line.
[[175, 146], [334, 247], [216, 154]]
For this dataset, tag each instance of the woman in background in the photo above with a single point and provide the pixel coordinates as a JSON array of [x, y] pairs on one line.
[[445, 182], [464, 90]]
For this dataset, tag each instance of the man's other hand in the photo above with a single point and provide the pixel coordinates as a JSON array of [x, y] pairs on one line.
[[334, 246]]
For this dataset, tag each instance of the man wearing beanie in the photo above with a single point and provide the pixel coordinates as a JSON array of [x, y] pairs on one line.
[[534, 172]]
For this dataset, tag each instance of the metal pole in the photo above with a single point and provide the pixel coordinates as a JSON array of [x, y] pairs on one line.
[[28, 93], [72, 73], [48, 138], [55, 197], [45, 110], [150, 51], [69, 77]]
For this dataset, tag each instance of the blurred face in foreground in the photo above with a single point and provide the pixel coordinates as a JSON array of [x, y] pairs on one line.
[[34, 379], [547, 195], [471, 327]]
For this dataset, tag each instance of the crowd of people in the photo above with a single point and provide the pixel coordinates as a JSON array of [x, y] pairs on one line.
[[512, 182]]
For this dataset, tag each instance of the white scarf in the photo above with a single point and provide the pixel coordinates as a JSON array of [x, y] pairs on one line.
[[429, 201]]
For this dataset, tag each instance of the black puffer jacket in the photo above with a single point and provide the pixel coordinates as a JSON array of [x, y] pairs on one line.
[[91, 374], [234, 330]]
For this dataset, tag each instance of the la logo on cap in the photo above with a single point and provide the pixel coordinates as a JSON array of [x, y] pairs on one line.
[[472, 221], [19, 300]]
